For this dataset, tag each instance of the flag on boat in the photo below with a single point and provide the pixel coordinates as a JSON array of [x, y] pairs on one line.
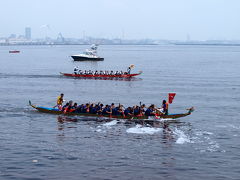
[[171, 97], [132, 66]]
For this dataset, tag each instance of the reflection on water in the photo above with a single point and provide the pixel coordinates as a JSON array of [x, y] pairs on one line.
[[169, 131], [62, 119], [64, 122]]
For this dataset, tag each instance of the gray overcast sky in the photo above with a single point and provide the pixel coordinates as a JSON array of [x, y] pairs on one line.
[[161, 19]]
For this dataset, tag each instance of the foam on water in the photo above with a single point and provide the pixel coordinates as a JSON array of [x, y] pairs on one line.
[[160, 119], [139, 129], [234, 127], [201, 133], [166, 119], [182, 138], [111, 123], [106, 126]]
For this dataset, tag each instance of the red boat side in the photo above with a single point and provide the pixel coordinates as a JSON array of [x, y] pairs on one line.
[[14, 51]]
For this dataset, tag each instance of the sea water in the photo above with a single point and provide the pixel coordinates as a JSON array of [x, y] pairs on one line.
[[204, 145]]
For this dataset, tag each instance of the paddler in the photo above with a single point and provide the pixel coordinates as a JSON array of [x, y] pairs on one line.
[[142, 109], [136, 110], [107, 110], [120, 110], [74, 107], [69, 107], [128, 112], [59, 101], [165, 107], [149, 111], [65, 106]]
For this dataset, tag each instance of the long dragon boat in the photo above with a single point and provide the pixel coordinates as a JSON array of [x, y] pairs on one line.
[[14, 51], [58, 112], [100, 75]]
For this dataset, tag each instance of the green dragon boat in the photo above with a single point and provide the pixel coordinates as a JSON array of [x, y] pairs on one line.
[[58, 112]]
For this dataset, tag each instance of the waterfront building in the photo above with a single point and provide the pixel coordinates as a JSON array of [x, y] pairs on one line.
[[28, 33]]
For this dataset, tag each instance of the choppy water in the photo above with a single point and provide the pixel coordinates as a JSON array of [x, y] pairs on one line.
[[204, 145]]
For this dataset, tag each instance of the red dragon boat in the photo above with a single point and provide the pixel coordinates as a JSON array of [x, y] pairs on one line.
[[101, 75], [14, 51]]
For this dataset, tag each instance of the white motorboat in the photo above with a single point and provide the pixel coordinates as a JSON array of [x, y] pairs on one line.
[[88, 55]]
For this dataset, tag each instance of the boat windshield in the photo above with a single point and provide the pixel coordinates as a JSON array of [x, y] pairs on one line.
[[88, 53]]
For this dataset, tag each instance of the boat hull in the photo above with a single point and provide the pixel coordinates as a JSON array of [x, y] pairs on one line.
[[100, 76], [79, 58]]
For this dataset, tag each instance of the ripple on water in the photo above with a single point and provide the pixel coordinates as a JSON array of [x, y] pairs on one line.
[[206, 77]]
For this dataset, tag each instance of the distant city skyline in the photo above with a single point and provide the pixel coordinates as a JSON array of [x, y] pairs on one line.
[[154, 19], [26, 39]]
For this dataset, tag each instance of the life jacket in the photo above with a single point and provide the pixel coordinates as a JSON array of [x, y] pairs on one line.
[[149, 112], [63, 108], [105, 110], [71, 110], [136, 111], [126, 112], [59, 100], [67, 109], [93, 110]]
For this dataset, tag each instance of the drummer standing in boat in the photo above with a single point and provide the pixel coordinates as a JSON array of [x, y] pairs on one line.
[[165, 103], [59, 101], [76, 68], [165, 107], [130, 68]]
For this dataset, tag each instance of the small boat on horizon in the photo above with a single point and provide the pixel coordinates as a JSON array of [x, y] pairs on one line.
[[88, 55], [14, 51]]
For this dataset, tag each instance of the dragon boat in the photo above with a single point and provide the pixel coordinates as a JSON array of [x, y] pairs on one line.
[[100, 75], [14, 51], [162, 116]]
